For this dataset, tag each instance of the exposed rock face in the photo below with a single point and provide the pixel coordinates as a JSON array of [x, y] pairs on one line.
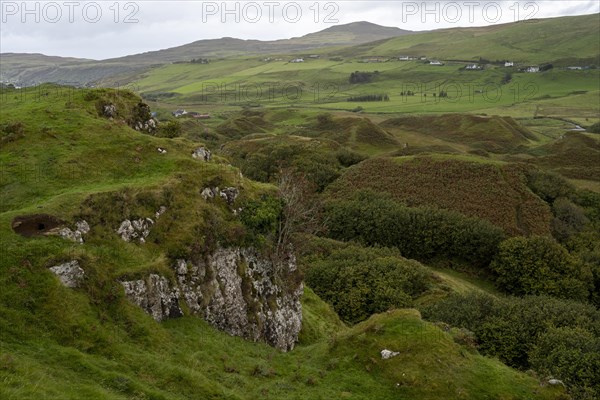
[[155, 296], [228, 194], [138, 229], [201, 153], [70, 273], [209, 193], [81, 228], [236, 290], [145, 126]]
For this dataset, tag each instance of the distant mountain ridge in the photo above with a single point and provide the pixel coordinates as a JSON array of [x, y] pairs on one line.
[[28, 69], [562, 40]]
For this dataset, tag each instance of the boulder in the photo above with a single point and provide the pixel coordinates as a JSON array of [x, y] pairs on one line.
[[209, 193], [82, 226], [201, 153], [161, 210], [229, 194], [70, 273], [387, 354]]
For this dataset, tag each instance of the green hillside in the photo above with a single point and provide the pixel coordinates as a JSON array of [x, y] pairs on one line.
[[533, 41], [351, 226], [61, 157]]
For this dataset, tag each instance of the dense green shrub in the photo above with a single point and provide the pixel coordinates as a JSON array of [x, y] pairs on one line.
[[594, 128], [348, 157], [569, 219], [261, 218], [262, 161], [571, 355], [420, 233], [540, 265], [549, 185], [542, 332], [359, 282], [169, 129]]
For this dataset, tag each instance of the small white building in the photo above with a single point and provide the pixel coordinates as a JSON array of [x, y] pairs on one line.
[[297, 60], [435, 62], [509, 64], [533, 69], [473, 67]]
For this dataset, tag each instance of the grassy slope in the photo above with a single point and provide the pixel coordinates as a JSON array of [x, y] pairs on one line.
[[532, 41], [91, 342]]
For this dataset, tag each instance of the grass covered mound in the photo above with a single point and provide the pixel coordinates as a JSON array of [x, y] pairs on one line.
[[493, 134], [575, 155], [493, 192]]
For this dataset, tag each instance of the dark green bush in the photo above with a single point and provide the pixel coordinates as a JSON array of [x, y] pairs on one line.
[[348, 157], [594, 128], [548, 185], [169, 129], [359, 282], [571, 354], [555, 337], [569, 219], [261, 217], [418, 232], [540, 265]]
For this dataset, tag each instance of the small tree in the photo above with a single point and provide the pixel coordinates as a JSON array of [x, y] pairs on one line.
[[301, 209]]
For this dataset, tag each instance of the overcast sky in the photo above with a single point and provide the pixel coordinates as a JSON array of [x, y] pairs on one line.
[[106, 29]]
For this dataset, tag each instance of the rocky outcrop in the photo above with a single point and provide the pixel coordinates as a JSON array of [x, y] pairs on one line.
[[145, 126], [141, 119], [155, 296], [81, 228], [70, 273], [202, 153], [109, 110], [236, 290], [243, 294], [228, 194], [137, 229]]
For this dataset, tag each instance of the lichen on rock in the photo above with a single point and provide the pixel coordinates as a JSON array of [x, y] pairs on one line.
[[137, 229], [69, 273], [155, 296], [202, 153], [236, 290]]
